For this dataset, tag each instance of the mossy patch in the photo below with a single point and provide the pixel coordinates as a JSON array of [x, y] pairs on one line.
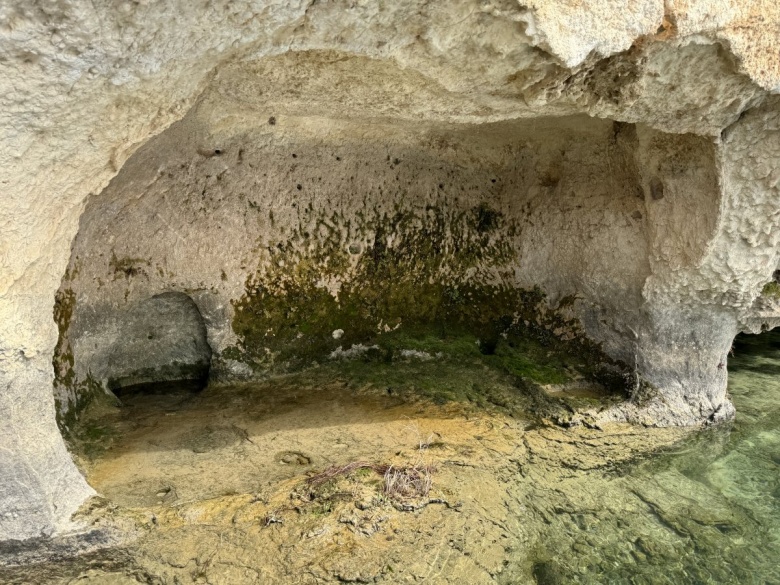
[[127, 266], [414, 271], [430, 280], [771, 289], [63, 363], [78, 394], [91, 428], [453, 369], [92, 440]]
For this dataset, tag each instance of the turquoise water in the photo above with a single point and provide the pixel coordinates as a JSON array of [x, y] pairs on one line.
[[707, 512]]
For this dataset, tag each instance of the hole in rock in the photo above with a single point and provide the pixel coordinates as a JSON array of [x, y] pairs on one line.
[[156, 345]]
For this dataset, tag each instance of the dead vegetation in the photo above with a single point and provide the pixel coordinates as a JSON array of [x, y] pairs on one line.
[[403, 482], [404, 485], [336, 471]]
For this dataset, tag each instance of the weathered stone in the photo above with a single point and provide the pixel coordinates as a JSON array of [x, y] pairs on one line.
[[159, 339], [663, 283]]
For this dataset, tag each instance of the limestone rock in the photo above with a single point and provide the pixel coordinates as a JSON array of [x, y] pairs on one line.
[[159, 339], [664, 223]]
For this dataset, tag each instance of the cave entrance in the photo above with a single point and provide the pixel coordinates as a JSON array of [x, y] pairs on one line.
[[303, 242], [754, 368]]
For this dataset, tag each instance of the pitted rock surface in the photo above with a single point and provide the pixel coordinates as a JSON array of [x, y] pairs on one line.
[[662, 282]]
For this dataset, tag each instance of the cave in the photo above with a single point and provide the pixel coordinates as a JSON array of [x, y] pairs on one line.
[[262, 259], [297, 246], [303, 231], [157, 341]]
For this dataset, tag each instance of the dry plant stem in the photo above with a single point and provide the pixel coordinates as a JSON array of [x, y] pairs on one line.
[[343, 470], [399, 482], [408, 482]]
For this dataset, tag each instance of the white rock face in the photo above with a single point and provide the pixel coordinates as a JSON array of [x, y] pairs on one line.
[[83, 85]]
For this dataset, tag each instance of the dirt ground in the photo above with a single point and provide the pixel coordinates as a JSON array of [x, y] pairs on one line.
[[433, 467]]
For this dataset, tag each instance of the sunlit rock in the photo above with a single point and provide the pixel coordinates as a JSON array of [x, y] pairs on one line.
[[617, 162]]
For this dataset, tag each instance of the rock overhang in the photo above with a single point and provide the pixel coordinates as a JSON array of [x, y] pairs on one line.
[[87, 88]]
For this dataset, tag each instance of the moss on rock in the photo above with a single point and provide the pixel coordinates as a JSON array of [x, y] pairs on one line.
[[771, 289], [431, 281]]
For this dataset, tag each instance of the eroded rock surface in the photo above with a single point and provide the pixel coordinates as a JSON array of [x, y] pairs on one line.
[[156, 340], [655, 219]]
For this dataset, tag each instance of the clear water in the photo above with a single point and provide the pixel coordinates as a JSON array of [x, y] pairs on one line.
[[709, 512], [706, 511]]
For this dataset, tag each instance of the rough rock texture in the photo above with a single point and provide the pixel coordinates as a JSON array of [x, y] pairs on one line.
[[83, 86], [292, 232], [158, 339]]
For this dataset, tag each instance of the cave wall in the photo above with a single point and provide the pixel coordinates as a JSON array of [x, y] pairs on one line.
[[85, 85], [284, 232], [274, 213]]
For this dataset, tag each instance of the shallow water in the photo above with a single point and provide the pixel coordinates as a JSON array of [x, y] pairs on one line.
[[529, 502], [708, 511]]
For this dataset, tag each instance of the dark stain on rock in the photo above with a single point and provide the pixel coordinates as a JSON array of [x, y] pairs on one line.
[[486, 219]]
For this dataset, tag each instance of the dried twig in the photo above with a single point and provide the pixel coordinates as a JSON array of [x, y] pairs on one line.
[[400, 482], [343, 470], [408, 482], [407, 507]]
